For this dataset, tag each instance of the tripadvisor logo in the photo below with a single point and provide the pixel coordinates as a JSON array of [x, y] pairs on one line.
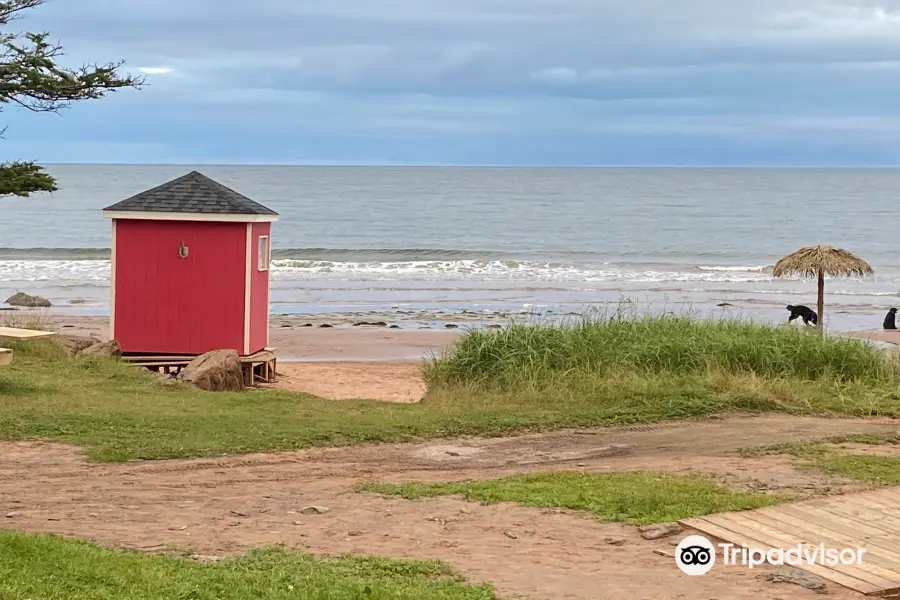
[[696, 555]]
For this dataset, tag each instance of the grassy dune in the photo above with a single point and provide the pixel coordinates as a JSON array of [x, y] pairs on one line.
[[612, 371], [665, 367], [546, 357]]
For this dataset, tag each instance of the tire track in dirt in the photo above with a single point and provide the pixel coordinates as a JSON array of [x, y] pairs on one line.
[[224, 505]]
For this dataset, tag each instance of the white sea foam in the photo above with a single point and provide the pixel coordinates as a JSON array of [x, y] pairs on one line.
[[499, 269], [757, 269], [831, 292], [65, 273], [59, 271]]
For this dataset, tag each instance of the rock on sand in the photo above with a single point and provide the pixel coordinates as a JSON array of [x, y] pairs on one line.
[[216, 371], [23, 299]]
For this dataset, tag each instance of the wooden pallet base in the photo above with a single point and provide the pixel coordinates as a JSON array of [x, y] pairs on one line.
[[258, 367]]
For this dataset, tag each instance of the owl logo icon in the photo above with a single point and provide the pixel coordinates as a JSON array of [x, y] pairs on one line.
[[695, 555]]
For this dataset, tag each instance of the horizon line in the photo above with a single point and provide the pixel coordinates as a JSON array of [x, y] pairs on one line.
[[471, 166]]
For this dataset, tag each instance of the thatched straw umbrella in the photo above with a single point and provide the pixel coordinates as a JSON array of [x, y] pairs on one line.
[[819, 261]]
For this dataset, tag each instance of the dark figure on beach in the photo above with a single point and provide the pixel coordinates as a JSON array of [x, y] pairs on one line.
[[803, 312], [890, 319]]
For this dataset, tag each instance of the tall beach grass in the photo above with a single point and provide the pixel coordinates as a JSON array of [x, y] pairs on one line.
[[622, 343], [28, 319]]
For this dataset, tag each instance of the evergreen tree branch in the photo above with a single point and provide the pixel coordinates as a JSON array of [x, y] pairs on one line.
[[31, 78]]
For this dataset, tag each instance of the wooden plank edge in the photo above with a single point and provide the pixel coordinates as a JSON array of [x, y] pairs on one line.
[[856, 510], [882, 576], [847, 581], [830, 533], [15, 333], [817, 514], [260, 355], [775, 539]]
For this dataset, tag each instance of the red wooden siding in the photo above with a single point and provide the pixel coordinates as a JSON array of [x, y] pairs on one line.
[[259, 291], [166, 304]]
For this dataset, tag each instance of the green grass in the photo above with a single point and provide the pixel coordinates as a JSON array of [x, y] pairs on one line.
[[639, 498], [51, 568], [827, 456], [872, 470], [610, 372], [548, 356], [821, 445]]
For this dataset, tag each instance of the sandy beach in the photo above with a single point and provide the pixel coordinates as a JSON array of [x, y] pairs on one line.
[[312, 339], [328, 357]]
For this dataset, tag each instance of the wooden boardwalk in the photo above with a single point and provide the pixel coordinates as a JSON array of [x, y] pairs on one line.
[[867, 520]]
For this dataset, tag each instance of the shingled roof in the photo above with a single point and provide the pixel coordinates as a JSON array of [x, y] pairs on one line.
[[192, 193]]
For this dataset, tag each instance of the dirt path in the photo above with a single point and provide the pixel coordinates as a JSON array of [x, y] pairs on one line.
[[222, 506]]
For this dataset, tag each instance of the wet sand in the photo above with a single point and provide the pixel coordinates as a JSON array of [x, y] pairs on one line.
[[314, 339], [877, 335], [840, 317]]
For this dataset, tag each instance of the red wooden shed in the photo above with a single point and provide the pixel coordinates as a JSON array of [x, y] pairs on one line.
[[190, 270]]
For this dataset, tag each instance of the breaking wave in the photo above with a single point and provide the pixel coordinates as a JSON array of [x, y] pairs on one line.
[[68, 267], [761, 269], [82, 270]]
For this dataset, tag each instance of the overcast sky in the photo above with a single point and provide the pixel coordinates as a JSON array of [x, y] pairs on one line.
[[530, 82]]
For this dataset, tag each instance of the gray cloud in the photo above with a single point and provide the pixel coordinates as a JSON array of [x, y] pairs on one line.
[[577, 33], [786, 69]]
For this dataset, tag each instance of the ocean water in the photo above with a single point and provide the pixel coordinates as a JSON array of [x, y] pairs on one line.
[[499, 240]]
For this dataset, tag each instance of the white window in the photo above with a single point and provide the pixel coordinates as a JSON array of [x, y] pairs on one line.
[[263, 253]]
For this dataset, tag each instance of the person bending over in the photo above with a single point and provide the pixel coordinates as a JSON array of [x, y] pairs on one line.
[[890, 319], [803, 312]]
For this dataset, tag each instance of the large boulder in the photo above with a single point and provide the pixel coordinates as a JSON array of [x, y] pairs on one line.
[[216, 371], [74, 344], [23, 299], [110, 349]]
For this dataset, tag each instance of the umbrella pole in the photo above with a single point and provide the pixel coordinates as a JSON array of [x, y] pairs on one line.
[[821, 302]]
